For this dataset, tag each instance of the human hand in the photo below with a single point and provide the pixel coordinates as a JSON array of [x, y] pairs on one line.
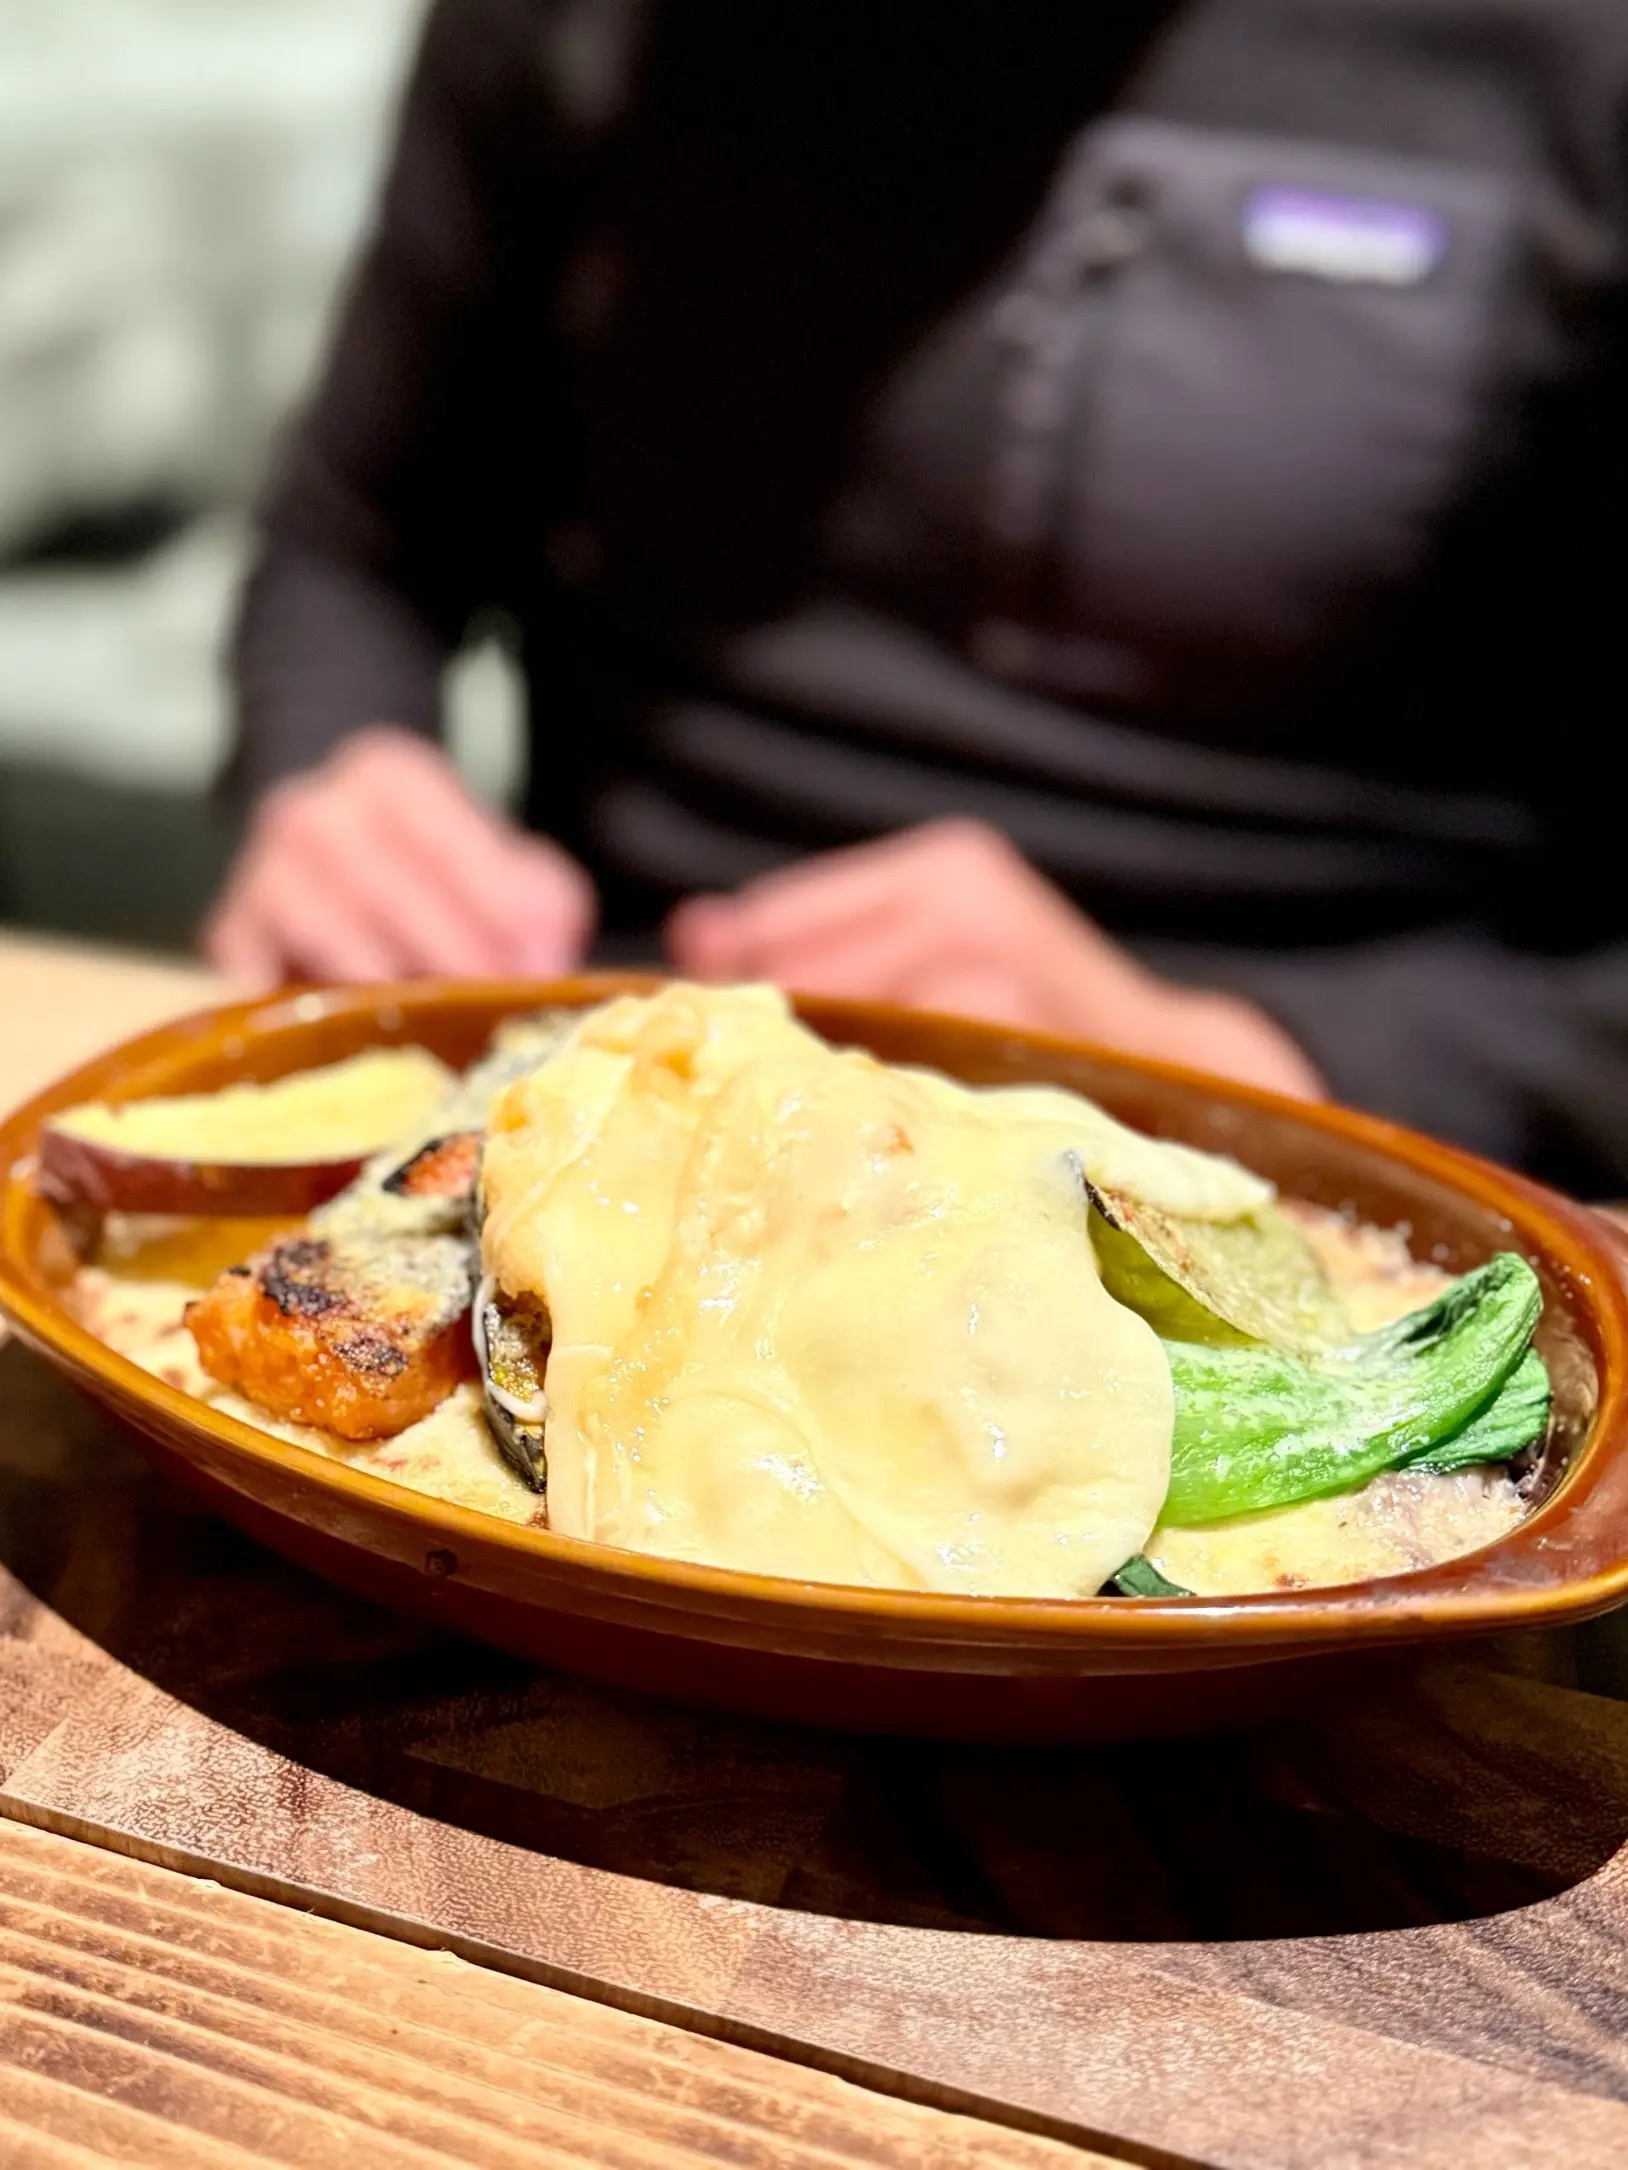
[[950, 917], [379, 865]]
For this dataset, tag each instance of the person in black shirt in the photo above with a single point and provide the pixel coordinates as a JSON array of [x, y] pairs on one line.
[[1103, 517]]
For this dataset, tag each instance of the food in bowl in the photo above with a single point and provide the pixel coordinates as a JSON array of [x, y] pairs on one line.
[[676, 1275], [249, 1149]]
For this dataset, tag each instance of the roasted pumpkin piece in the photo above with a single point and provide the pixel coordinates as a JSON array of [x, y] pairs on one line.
[[356, 1339]]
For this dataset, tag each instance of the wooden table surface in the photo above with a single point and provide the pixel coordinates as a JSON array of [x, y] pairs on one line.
[[61, 1003], [1393, 1932]]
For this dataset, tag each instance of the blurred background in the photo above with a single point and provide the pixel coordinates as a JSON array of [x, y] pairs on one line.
[[181, 186]]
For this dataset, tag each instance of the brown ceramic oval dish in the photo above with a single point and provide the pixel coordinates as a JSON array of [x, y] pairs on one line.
[[989, 1668]]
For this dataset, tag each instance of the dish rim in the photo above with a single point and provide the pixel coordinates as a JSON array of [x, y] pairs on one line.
[[1482, 1590]]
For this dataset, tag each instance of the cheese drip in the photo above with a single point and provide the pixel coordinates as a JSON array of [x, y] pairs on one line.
[[815, 1316]]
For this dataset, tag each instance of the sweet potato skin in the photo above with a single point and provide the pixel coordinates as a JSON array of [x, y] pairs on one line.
[[79, 1175], [360, 1346]]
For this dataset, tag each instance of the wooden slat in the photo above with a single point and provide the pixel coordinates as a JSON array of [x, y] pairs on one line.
[[22, 2148], [1160, 2048], [149, 2019]]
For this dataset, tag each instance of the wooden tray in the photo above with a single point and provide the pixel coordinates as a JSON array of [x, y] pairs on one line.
[[1394, 1935]]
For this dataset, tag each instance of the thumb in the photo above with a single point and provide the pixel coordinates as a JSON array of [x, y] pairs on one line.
[[555, 909], [702, 937]]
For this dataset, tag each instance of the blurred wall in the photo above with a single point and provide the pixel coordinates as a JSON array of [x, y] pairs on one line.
[[181, 182]]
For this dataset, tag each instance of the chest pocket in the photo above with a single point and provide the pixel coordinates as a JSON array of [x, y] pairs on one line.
[[1184, 448]]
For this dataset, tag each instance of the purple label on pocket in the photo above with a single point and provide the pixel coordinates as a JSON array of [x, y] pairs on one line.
[[1342, 237]]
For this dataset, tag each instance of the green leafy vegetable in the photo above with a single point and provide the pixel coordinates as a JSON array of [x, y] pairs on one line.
[[1140, 1578], [1254, 1278], [1516, 1418], [1256, 1427]]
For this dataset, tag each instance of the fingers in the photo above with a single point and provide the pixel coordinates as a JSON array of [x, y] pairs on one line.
[[236, 944], [945, 917], [867, 922], [379, 865], [920, 870], [992, 991], [388, 899], [876, 959], [533, 905], [317, 931]]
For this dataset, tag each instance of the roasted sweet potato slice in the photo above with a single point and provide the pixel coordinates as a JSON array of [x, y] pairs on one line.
[[281, 1148]]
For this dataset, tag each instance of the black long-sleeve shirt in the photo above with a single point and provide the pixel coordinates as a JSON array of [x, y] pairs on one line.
[[1190, 436]]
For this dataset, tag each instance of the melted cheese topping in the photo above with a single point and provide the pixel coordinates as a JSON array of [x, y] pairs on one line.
[[339, 1112], [818, 1317]]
